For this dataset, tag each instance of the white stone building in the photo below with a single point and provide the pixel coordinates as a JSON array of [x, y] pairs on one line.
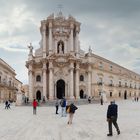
[[60, 68], [9, 85]]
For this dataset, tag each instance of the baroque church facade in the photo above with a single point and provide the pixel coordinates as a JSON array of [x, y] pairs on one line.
[[59, 68]]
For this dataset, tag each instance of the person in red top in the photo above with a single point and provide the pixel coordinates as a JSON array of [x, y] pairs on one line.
[[34, 106]]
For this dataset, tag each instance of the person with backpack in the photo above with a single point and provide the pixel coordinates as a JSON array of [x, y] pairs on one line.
[[63, 105], [71, 110]]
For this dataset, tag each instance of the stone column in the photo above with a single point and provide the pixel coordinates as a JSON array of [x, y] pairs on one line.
[[71, 38], [77, 42], [89, 81], [44, 80], [77, 81], [55, 46], [65, 46], [71, 81], [51, 86], [44, 40], [50, 37], [30, 73]]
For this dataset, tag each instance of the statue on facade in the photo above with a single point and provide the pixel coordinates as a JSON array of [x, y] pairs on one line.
[[60, 48], [30, 48], [90, 50]]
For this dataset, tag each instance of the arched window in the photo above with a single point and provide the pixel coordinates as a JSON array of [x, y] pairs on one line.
[[100, 65], [119, 94], [38, 78], [81, 78], [110, 94], [111, 83], [10, 83]]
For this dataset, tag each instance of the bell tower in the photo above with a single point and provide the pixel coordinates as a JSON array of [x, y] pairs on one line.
[[60, 35]]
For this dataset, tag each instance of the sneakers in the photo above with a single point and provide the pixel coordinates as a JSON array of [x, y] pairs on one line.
[[109, 134]]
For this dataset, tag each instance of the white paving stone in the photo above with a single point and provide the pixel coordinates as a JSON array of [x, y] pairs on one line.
[[89, 123]]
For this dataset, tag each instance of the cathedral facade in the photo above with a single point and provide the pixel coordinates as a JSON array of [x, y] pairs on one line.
[[59, 68]]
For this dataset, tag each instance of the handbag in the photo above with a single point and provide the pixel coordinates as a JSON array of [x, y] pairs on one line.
[[68, 110]]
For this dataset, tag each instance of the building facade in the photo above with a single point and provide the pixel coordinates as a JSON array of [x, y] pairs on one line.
[[59, 68], [8, 83]]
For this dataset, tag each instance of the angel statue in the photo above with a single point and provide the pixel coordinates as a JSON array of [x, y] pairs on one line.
[[30, 48]]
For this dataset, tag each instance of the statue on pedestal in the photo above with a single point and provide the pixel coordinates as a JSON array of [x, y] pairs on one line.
[[30, 48], [60, 48]]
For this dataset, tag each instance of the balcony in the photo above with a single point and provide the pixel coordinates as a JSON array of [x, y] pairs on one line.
[[4, 84]]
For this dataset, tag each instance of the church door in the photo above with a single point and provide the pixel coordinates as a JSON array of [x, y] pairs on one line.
[[38, 95], [81, 94], [60, 89], [125, 95]]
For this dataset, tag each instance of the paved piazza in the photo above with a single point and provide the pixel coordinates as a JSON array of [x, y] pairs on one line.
[[89, 123]]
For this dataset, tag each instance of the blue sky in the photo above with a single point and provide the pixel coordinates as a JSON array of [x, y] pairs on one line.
[[110, 27]]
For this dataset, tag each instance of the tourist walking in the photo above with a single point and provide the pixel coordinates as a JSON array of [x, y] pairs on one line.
[[101, 100], [6, 104], [112, 115], [137, 99], [63, 105], [34, 106], [89, 99], [71, 110], [57, 105]]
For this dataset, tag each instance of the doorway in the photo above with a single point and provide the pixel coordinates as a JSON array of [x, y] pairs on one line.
[[81, 94], [38, 95], [60, 89], [125, 94]]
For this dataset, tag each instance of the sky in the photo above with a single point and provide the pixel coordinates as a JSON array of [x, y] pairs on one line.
[[110, 27]]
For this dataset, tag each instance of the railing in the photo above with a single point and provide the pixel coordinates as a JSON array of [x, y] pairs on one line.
[[4, 84]]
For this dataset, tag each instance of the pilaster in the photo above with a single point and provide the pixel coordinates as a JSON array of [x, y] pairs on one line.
[[50, 38], [77, 81], [71, 37], [89, 80], [44, 40], [30, 73], [44, 80], [71, 81], [51, 84]]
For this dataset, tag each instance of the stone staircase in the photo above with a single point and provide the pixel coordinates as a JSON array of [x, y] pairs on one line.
[[76, 102]]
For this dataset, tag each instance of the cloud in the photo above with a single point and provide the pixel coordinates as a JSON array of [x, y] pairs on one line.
[[110, 27]]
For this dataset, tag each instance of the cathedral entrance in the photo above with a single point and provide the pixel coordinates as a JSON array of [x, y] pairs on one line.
[[81, 94], [38, 95], [60, 89], [125, 95]]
